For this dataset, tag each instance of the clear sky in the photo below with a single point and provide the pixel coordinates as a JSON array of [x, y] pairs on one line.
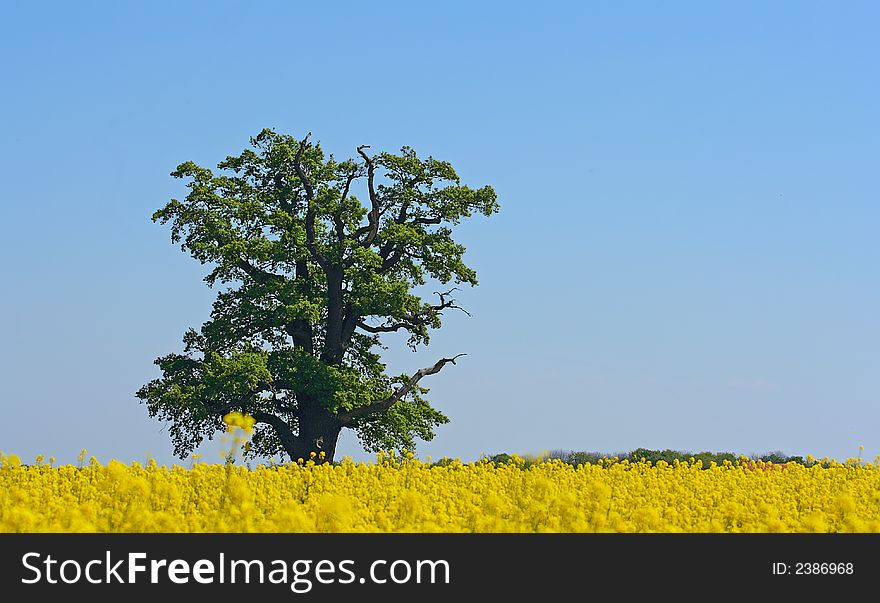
[[686, 255]]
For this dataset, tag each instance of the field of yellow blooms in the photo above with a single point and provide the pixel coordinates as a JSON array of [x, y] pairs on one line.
[[406, 495]]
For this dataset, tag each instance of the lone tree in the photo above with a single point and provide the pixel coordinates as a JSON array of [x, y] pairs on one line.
[[314, 278]]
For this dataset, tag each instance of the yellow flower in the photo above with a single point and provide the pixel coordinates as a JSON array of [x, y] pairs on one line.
[[237, 419], [402, 493]]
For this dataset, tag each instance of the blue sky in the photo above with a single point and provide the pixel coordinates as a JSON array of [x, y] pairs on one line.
[[686, 255]]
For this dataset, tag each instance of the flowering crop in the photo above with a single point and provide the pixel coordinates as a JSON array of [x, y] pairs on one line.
[[404, 494]]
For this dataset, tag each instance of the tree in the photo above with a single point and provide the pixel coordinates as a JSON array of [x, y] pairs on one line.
[[314, 277]]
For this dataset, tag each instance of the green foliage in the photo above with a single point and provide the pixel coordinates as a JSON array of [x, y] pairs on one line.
[[775, 457], [313, 276], [398, 427], [582, 458], [500, 459], [651, 456]]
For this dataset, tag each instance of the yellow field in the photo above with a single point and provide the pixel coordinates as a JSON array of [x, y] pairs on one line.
[[410, 496]]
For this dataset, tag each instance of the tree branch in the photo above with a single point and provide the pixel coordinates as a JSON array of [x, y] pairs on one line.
[[246, 397], [447, 304], [348, 180], [390, 262], [389, 246], [281, 427], [256, 273], [419, 319], [310, 200], [337, 217], [375, 202], [383, 328], [302, 282], [301, 333], [370, 409], [300, 172], [390, 253]]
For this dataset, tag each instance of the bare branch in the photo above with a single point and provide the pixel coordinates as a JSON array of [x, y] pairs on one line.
[[447, 304], [365, 411], [418, 321], [383, 328]]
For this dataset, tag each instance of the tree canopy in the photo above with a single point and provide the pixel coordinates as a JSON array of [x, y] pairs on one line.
[[312, 277]]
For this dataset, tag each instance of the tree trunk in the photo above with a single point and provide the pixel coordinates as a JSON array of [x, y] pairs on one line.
[[318, 432]]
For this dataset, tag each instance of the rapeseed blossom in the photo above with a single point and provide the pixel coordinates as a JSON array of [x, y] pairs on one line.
[[237, 419], [407, 495]]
